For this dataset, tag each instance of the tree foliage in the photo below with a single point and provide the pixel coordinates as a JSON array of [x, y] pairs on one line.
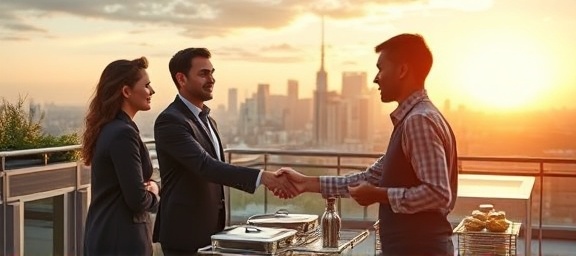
[[21, 129]]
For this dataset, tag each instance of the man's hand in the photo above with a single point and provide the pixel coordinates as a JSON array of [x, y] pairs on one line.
[[279, 185], [366, 194], [301, 183]]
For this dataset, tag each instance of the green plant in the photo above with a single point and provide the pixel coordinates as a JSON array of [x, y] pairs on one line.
[[21, 129]]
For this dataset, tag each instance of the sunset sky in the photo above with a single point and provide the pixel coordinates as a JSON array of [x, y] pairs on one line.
[[490, 55]]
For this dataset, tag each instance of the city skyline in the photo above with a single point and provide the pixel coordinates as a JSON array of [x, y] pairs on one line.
[[491, 55]]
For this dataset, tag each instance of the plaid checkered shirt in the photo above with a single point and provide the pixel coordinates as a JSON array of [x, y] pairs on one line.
[[424, 140]]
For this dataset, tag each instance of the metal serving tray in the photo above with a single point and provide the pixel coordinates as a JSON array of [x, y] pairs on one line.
[[303, 223], [349, 238], [253, 240]]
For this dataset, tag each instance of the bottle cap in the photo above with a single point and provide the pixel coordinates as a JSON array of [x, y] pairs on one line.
[[486, 208]]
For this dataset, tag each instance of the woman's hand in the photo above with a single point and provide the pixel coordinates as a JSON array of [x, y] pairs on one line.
[[152, 187]]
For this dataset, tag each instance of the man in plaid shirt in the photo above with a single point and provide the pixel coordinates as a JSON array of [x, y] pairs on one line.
[[415, 182]]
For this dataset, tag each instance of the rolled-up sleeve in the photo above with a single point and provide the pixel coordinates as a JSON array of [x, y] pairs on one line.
[[337, 186]]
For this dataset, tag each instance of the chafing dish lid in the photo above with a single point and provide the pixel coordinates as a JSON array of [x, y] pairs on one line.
[[252, 233], [282, 216]]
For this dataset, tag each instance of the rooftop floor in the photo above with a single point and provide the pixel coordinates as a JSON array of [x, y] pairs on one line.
[[549, 247]]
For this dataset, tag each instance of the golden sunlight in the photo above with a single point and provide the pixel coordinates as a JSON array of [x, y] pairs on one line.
[[502, 74]]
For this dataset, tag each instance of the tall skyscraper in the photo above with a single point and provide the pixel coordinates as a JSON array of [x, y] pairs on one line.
[[262, 97], [291, 114], [337, 118], [292, 90], [320, 99], [248, 121], [354, 84], [233, 101]]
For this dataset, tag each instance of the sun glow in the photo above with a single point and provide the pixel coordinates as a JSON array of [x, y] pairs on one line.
[[505, 74]]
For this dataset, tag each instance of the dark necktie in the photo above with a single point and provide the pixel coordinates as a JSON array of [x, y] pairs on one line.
[[204, 117]]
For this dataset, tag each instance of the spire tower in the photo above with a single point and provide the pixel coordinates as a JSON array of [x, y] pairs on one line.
[[322, 47], [320, 98]]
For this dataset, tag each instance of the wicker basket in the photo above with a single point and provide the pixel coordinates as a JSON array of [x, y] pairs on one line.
[[486, 243]]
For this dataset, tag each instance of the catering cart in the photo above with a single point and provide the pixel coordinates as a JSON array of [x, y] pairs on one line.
[[281, 234]]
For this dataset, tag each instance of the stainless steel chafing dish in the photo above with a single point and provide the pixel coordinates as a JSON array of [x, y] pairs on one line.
[[303, 223], [253, 240], [349, 239], [306, 225]]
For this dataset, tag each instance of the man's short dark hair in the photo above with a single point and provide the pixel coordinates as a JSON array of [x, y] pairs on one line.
[[410, 49], [181, 62]]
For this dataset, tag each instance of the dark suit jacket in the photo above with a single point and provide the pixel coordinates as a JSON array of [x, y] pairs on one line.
[[118, 222], [191, 205]]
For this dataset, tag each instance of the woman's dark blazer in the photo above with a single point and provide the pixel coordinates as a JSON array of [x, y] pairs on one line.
[[118, 222], [192, 208]]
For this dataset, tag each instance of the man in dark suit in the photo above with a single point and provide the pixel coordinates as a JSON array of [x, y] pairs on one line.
[[191, 160]]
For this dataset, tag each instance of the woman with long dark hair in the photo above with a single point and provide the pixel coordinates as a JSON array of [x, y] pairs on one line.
[[118, 221]]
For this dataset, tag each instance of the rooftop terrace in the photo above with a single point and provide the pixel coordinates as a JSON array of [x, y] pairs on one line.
[[44, 204]]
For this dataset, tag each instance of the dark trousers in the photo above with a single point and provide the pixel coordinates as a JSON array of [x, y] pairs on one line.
[[444, 247]]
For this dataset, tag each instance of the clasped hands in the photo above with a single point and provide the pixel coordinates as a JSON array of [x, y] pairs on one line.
[[287, 183]]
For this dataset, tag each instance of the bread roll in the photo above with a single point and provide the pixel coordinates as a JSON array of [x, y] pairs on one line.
[[473, 224], [499, 215], [479, 215], [497, 225]]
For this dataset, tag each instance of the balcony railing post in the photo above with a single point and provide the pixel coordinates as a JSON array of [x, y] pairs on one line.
[[541, 196], [265, 189], [14, 244], [338, 171], [227, 196], [3, 205]]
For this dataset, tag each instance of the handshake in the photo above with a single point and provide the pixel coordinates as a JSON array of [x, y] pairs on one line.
[[287, 183]]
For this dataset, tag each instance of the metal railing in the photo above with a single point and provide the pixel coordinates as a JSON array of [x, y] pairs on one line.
[[44, 152], [35, 178], [540, 168]]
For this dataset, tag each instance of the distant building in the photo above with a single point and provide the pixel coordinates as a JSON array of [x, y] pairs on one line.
[[292, 90], [320, 99], [248, 121], [336, 119], [292, 112], [304, 116], [276, 113], [354, 84], [262, 97], [233, 101]]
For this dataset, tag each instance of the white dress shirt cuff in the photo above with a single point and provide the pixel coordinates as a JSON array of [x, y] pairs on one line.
[[258, 179]]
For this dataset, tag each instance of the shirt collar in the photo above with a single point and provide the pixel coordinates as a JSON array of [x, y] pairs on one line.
[[195, 110], [402, 110]]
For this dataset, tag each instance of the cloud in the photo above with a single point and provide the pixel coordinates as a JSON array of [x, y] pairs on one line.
[[13, 38], [195, 18], [22, 27], [190, 14], [464, 5], [235, 53], [280, 47]]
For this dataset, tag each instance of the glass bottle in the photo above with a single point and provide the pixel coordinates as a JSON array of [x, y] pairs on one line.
[[331, 224]]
